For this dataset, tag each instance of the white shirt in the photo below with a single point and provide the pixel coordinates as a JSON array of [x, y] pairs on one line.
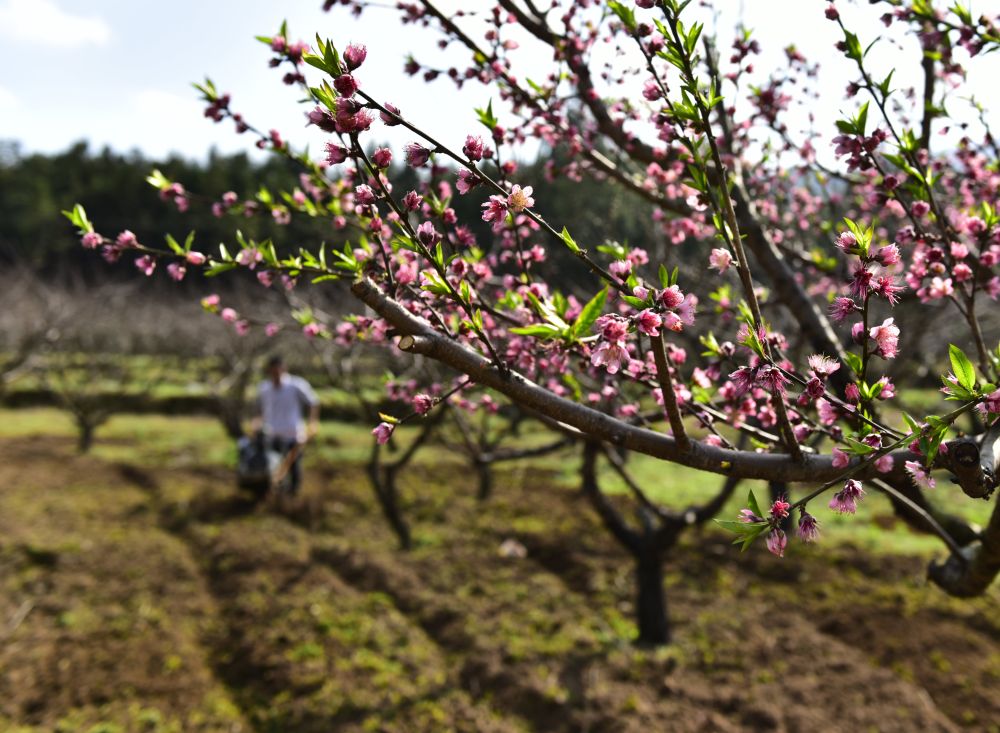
[[281, 406]]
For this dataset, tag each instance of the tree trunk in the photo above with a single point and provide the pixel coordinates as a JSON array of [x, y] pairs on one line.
[[389, 501], [651, 599], [485, 474], [85, 436], [383, 481]]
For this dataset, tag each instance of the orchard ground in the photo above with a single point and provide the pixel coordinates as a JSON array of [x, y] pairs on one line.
[[138, 592]]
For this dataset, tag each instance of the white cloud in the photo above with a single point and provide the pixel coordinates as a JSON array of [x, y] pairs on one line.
[[43, 22], [7, 100]]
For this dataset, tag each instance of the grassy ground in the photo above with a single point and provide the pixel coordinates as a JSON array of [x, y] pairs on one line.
[[139, 593]]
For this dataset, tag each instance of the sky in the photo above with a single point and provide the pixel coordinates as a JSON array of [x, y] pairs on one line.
[[119, 72]]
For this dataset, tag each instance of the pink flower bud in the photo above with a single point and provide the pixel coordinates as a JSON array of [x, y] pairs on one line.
[[355, 55], [382, 432], [382, 158]]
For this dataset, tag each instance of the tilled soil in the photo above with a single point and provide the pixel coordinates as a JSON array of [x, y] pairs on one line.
[[132, 601]]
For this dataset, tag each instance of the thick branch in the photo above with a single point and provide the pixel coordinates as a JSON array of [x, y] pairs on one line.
[[975, 464], [422, 339], [629, 538], [972, 571]]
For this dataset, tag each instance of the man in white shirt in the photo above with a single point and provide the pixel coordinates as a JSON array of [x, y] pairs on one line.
[[282, 402]]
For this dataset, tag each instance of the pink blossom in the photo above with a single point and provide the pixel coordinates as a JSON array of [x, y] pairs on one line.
[[336, 154], [427, 234], [776, 542], [620, 268], [842, 308], [312, 330], [211, 302], [382, 432], [91, 240], [195, 258], [846, 242], [495, 210], [382, 158], [861, 281], [242, 327], [743, 380], [840, 458], [364, 195], [888, 255], [808, 529], [520, 199], [389, 118], [611, 355], [779, 509], [473, 148], [846, 500], [355, 55], [887, 288], [822, 365], [467, 180], [884, 464], [940, 288], [886, 337], [346, 85], [416, 154], [720, 260], [146, 265], [126, 240], [920, 475], [672, 297], [422, 403], [828, 413], [649, 322], [271, 329], [612, 327], [771, 378], [412, 200], [992, 403], [176, 271]]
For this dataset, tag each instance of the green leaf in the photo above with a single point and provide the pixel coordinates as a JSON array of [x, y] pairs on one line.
[[753, 505], [569, 241], [539, 330], [625, 14], [589, 314], [962, 367], [175, 247], [853, 361], [79, 218], [734, 526]]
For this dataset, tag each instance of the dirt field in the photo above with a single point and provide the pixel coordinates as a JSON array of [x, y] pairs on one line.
[[137, 593]]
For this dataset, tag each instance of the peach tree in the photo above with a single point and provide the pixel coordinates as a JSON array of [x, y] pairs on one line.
[[762, 334]]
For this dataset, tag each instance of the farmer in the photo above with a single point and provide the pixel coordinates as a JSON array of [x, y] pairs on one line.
[[282, 401]]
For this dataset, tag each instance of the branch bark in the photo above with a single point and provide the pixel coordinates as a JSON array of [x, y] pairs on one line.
[[420, 337]]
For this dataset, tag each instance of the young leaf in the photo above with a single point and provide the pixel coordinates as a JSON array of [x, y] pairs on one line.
[[570, 242], [589, 314], [962, 367]]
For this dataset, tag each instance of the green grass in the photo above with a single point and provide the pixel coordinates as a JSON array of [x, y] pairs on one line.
[[162, 441]]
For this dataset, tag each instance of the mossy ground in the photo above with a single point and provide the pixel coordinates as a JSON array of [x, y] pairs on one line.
[[138, 592]]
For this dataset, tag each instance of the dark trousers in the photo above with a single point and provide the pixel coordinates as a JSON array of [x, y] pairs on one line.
[[294, 478]]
